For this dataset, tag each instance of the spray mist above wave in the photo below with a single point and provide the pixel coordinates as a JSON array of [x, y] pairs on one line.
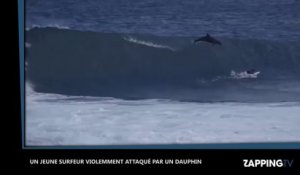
[[148, 43]]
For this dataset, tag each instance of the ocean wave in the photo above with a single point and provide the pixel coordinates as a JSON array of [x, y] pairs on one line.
[[105, 64]]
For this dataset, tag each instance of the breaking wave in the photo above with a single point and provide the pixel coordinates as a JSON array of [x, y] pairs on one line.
[[141, 66]]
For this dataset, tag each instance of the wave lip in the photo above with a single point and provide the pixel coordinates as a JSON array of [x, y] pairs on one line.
[[57, 26], [148, 43]]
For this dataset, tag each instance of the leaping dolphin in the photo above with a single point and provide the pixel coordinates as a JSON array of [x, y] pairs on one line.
[[208, 39]]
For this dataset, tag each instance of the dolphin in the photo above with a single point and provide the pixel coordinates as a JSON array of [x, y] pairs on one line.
[[208, 39]]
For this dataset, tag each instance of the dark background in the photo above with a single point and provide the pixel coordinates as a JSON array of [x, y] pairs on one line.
[[212, 160]]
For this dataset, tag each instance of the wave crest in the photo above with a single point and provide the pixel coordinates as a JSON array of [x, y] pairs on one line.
[[57, 26]]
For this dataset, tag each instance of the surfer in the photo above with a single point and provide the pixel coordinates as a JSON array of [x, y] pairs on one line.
[[208, 39], [251, 71]]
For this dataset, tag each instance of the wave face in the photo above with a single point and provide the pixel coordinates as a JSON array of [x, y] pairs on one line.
[[73, 62]]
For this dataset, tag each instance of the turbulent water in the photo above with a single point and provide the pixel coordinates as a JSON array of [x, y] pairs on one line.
[[53, 119], [117, 72]]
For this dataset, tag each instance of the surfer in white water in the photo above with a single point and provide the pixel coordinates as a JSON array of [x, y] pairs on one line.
[[251, 71]]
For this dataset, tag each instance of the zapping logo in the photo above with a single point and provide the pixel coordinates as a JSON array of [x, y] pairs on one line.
[[268, 163]]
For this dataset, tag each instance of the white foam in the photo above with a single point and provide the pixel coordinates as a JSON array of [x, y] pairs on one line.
[[243, 75], [116, 121], [233, 75], [148, 43], [59, 26], [27, 45]]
